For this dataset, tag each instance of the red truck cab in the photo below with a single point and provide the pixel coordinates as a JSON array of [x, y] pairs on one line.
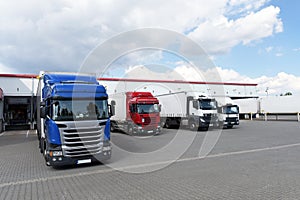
[[143, 110]]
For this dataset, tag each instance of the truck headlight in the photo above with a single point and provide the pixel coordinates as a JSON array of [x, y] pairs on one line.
[[143, 120], [55, 153], [107, 148]]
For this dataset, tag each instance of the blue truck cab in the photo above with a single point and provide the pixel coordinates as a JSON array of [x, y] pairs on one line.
[[73, 119]]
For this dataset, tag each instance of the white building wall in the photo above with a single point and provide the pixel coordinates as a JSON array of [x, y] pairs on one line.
[[157, 88], [15, 86]]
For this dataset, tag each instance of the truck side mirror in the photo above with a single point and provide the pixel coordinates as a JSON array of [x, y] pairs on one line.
[[195, 104], [111, 110], [219, 109]]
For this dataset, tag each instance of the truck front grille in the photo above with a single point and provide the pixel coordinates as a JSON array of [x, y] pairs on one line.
[[231, 119], [82, 141], [150, 120]]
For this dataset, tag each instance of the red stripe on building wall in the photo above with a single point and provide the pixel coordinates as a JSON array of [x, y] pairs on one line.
[[19, 75], [176, 81], [141, 80]]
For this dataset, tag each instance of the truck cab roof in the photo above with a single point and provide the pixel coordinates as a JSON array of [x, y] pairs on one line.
[[67, 85], [54, 78]]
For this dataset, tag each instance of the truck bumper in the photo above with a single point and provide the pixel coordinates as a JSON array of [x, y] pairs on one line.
[[62, 160], [206, 123], [231, 122], [142, 131]]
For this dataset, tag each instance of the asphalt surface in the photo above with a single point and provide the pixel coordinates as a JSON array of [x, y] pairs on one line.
[[256, 160]]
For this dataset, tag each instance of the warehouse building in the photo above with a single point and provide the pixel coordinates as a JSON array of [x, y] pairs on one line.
[[18, 94]]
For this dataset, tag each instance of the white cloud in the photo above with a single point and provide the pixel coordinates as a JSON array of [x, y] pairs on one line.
[[220, 34], [245, 6], [5, 69], [279, 84], [57, 35], [269, 49], [296, 49]]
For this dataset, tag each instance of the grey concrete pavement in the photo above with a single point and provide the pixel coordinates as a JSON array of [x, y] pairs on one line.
[[256, 160]]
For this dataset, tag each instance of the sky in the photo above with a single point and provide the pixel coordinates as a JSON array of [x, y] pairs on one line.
[[252, 41]]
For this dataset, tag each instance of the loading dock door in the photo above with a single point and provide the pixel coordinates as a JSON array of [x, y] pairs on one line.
[[17, 112], [1, 110]]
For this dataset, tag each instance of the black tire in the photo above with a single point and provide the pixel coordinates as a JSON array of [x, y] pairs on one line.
[[193, 126], [45, 153], [163, 124], [112, 127], [41, 146], [167, 124], [130, 130]]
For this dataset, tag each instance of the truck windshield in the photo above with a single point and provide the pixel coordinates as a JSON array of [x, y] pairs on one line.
[[208, 104], [68, 110], [231, 110], [147, 108]]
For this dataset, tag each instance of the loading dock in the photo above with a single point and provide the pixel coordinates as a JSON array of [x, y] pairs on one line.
[[18, 112], [1, 110]]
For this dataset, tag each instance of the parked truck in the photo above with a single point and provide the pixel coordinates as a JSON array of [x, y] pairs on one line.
[[73, 119], [135, 113], [228, 113], [193, 109]]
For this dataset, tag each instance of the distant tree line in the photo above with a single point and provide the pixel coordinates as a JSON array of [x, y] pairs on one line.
[[286, 94]]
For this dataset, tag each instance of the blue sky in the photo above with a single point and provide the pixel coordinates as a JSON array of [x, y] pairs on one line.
[[278, 53], [253, 41]]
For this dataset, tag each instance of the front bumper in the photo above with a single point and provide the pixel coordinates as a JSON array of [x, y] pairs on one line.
[[146, 131], [205, 122], [62, 160], [231, 121]]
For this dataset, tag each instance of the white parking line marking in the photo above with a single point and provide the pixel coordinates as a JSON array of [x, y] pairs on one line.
[[27, 134], [101, 171]]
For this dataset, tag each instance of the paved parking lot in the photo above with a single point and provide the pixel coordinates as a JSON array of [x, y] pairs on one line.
[[256, 160]]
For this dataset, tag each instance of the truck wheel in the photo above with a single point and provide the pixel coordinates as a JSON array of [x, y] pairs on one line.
[[40, 146], [167, 124], [163, 124], [112, 127], [45, 154], [192, 126], [130, 130]]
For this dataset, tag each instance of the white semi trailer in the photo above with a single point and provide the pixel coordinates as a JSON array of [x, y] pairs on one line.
[[193, 109], [279, 104]]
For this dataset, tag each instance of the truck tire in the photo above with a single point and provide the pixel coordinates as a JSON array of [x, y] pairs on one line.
[[112, 127], [167, 124], [130, 130], [193, 126], [45, 153], [40, 146]]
